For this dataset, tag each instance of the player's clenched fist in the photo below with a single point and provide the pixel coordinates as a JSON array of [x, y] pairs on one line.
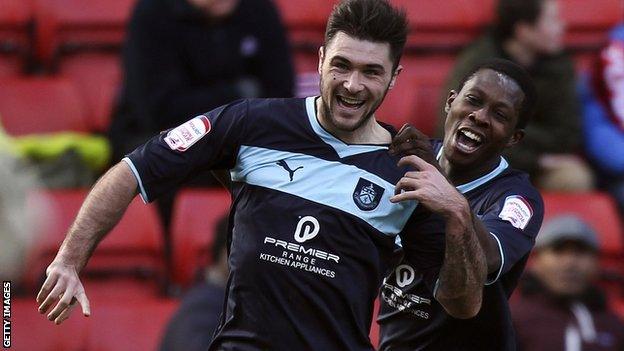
[[63, 289]]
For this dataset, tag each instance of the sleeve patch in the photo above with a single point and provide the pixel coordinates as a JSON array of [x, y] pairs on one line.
[[184, 136], [516, 211]]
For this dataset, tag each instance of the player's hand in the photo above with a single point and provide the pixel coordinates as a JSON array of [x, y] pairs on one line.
[[63, 289], [428, 186], [411, 141]]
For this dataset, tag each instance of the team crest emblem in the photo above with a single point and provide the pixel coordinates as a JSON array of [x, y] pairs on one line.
[[367, 194]]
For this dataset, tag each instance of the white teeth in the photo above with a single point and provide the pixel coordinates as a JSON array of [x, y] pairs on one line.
[[351, 101], [471, 135]]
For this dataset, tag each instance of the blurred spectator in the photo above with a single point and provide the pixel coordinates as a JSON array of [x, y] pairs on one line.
[[19, 218], [603, 117], [192, 326], [558, 307], [530, 32], [186, 57]]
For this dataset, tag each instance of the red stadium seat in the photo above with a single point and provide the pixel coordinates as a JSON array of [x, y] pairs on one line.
[[416, 96], [132, 249], [98, 77], [374, 330], [32, 331], [69, 25], [15, 20], [597, 209], [589, 21], [41, 105], [121, 326], [195, 215], [449, 24], [305, 21]]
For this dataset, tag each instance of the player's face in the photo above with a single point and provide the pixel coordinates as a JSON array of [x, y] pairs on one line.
[[355, 77], [481, 120], [565, 269]]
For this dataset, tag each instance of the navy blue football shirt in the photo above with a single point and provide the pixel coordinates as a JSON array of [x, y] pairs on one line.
[[411, 319], [313, 230]]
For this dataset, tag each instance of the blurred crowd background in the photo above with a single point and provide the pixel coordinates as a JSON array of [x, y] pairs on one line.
[[82, 82]]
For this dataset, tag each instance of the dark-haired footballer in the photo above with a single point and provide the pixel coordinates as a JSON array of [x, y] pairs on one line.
[[312, 226], [476, 222]]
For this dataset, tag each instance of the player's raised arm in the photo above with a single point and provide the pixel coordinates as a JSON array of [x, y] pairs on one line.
[[100, 212]]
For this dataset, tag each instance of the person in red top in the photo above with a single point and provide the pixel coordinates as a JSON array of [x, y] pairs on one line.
[[559, 308]]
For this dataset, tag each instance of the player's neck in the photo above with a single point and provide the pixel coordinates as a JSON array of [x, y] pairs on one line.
[[462, 175], [370, 132]]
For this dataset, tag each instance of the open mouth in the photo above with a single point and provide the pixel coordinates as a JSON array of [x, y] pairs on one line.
[[468, 141], [350, 103]]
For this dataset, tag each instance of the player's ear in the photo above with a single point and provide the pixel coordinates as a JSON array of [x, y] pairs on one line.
[[449, 100], [517, 135], [321, 58], [395, 74]]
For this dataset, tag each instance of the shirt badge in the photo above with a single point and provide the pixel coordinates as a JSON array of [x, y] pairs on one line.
[[184, 136], [367, 195]]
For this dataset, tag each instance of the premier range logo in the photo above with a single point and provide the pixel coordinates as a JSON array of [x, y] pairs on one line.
[[298, 256]]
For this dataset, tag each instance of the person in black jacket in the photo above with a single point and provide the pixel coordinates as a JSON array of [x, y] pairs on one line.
[[185, 57], [192, 326]]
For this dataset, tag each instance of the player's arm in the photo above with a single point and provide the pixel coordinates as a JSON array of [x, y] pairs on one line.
[[100, 212], [465, 267]]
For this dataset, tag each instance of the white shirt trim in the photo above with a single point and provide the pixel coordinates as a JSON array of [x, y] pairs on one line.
[[138, 178]]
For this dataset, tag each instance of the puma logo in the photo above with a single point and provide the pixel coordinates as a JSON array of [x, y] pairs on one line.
[[291, 172]]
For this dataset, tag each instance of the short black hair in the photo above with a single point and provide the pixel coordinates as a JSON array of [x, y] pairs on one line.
[[517, 74], [220, 239], [511, 12], [372, 20]]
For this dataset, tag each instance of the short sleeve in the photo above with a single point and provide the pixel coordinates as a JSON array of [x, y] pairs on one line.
[[514, 220], [208, 141]]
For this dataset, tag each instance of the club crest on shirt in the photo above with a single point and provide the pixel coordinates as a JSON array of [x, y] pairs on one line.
[[184, 136], [367, 195], [516, 211]]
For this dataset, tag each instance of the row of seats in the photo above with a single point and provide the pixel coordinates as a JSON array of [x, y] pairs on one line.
[[116, 323], [66, 25], [135, 246], [82, 97]]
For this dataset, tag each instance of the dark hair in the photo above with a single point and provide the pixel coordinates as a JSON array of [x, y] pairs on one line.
[[519, 75], [372, 20], [511, 12], [220, 239]]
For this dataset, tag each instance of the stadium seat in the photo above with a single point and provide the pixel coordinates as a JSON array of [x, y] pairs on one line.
[[416, 96], [98, 77], [195, 215], [445, 25], [589, 21], [76, 25], [597, 209], [32, 331], [305, 21], [15, 20], [374, 330], [121, 326], [133, 249], [41, 105]]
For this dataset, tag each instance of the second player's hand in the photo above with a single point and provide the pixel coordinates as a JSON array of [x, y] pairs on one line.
[[63, 289], [428, 186]]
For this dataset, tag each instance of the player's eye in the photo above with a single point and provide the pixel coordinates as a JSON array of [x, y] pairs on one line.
[[371, 72], [473, 100], [341, 66]]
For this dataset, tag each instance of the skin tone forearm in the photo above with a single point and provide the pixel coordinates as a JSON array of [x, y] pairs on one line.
[[464, 269], [468, 244], [101, 210]]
